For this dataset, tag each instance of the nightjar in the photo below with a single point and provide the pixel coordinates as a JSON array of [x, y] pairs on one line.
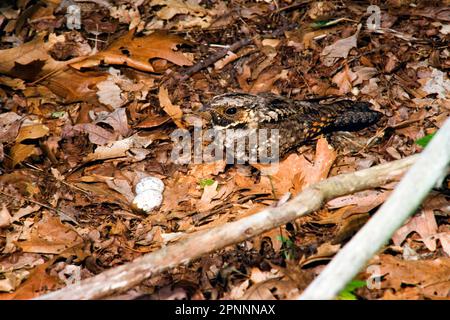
[[296, 121]]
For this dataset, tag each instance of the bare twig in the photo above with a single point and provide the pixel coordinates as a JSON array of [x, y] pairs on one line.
[[214, 57], [198, 244], [62, 214], [414, 187], [222, 53]]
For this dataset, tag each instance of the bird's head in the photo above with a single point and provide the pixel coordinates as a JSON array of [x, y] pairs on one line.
[[234, 110]]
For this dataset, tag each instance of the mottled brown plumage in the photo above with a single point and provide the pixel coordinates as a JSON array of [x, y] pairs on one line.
[[296, 120]]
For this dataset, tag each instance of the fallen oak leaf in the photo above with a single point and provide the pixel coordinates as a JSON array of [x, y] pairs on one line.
[[51, 236], [109, 93], [295, 173], [136, 52], [31, 60], [424, 224], [38, 282], [429, 276], [73, 85]]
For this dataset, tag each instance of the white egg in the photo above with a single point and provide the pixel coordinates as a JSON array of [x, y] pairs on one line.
[[149, 183], [147, 200]]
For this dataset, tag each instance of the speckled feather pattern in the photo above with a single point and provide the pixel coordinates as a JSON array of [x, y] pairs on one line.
[[296, 120]]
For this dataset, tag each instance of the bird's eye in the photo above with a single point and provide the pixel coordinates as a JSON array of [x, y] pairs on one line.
[[231, 111]]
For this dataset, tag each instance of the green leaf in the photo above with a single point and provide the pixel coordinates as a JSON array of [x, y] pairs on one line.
[[319, 24], [285, 241], [58, 114], [325, 23], [424, 140], [206, 182], [348, 292]]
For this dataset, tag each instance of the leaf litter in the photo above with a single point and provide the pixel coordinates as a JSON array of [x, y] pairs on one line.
[[87, 113]]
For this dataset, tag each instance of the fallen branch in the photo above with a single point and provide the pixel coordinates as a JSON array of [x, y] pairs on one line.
[[198, 244], [403, 202]]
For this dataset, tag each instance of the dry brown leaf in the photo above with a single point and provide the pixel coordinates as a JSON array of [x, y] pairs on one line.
[[295, 173], [172, 110], [364, 73], [123, 187], [20, 260], [344, 80], [73, 85], [424, 224], [34, 131], [117, 120], [109, 93], [22, 212], [209, 192], [230, 57], [50, 235], [152, 121], [5, 217], [339, 49], [13, 83], [323, 160], [243, 76], [266, 79], [275, 236], [173, 7], [444, 238], [30, 60], [20, 152], [102, 193], [238, 291], [120, 148], [9, 126], [324, 253], [431, 277], [136, 52], [38, 282], [272, 289], [96, 134]]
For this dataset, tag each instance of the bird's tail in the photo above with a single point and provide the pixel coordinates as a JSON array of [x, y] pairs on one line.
[[352, 116]]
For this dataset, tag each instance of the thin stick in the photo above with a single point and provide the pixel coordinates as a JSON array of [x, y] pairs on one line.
[[403, 202], [222, 53], [62, 214], [198, 244], [214, 57]]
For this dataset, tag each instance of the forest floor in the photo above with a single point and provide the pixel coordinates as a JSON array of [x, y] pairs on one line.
[[86, 113]]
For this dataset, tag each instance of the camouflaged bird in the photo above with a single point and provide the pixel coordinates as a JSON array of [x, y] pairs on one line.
[[297, 121]]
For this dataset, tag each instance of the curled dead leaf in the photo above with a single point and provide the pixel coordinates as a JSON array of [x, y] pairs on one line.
[[172, 110]]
